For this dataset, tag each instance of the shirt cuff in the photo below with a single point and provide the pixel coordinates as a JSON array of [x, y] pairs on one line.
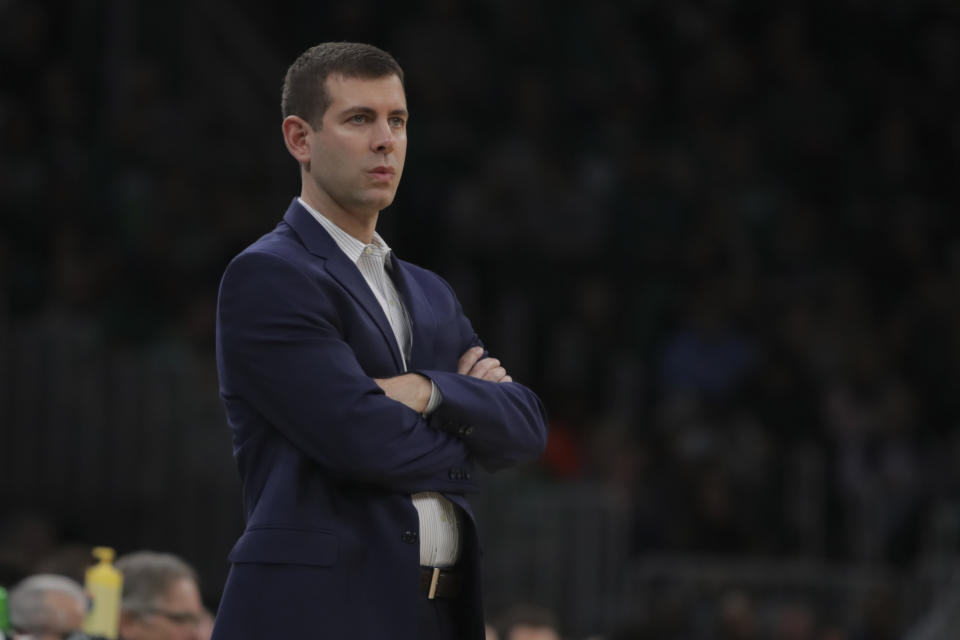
[[435, 399]]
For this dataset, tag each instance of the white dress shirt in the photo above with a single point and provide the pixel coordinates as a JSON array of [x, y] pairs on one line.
[[439, 526]]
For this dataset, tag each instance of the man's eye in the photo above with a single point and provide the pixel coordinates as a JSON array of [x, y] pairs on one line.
[[397, 122], [359, 118]]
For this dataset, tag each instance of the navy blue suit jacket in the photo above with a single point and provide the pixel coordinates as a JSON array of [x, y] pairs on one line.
[[327, 460]]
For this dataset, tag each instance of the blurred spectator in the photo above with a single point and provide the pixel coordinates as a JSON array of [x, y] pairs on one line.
[[832, 632], [795, 622], [633, 632], [161, 599], [47, 607], [528, 622], [205, 628], [880, 617], [737, 618]]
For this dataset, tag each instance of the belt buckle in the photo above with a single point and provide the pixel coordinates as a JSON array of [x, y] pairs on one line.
[[434, 579]]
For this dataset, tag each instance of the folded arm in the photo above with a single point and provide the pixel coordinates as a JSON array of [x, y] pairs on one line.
[[510, 420], [501, 421], [281, 350], [416, 391]]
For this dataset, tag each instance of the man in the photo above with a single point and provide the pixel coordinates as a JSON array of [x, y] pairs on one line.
[[161, 600], [47, 607], [358, 394], [528, 622]]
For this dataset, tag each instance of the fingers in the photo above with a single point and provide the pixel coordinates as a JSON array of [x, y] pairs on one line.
[[470, 364], [496, 375], [468, 359], [488, 369], [483, 367]]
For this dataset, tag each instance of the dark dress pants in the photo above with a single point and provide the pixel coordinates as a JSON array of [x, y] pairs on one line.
[[438, 619]]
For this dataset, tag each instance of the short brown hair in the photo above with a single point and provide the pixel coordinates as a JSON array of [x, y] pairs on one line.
[[304, 87]]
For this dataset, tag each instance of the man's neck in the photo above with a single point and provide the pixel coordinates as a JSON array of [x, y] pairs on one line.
[[360, 226]]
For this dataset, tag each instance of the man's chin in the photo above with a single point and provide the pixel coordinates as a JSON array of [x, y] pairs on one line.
[[381, 202]]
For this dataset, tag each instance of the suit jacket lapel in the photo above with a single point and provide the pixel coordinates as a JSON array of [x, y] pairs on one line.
[[318, 242], [423, 323]]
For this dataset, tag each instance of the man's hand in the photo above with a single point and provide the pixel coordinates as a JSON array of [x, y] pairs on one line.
[[486, 369], [411, 389]]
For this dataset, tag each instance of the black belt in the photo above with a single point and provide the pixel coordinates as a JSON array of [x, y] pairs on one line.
[[440, 583]]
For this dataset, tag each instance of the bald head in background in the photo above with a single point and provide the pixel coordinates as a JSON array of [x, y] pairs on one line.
[[47, 607]]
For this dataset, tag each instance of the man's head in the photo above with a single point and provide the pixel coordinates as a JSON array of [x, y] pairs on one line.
[[305, 93], [161, 600], [47, 607], [345, 117], [528, 622]]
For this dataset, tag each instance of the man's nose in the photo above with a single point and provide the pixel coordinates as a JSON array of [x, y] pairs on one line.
[[383, 140]]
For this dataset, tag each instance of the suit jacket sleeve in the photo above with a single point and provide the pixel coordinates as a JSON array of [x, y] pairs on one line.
[[503, 424], [283, 352]]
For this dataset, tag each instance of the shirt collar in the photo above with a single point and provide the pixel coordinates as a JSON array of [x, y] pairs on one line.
[[352, 247]]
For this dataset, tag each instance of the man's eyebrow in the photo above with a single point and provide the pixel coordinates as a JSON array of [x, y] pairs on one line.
[[349, 111], [358, 109]]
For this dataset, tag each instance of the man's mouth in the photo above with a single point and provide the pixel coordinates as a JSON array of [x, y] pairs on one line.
[[382, 173]]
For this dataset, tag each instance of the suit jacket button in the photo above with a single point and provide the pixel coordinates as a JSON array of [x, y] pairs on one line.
[[466, 430], [466, 474], [453, 474], [410, 537]]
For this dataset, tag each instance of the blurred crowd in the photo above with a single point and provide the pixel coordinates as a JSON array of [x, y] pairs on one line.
[[716, 237], [159, 600]]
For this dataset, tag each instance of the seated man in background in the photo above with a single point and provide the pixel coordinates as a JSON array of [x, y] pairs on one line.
[[161, 599], [528, 622], [48, 607]]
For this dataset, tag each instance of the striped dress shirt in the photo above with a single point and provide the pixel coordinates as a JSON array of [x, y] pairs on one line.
[[439, 526]]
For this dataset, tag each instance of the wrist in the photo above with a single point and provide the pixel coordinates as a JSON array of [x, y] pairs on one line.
[[423, 390], [410, 389]]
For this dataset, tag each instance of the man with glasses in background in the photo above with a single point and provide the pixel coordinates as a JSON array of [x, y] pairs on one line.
[[161, 599]]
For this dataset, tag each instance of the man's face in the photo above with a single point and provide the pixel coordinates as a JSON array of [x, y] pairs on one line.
[[66, 616], [532, 632], [357, 155], [178, 615]]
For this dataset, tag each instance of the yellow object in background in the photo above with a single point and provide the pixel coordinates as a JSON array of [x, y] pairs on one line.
[[105, 585]]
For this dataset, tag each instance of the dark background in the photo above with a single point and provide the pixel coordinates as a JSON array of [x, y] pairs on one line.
[[719, 239]]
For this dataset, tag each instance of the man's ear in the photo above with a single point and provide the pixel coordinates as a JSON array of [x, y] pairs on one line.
[[296, 132]]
